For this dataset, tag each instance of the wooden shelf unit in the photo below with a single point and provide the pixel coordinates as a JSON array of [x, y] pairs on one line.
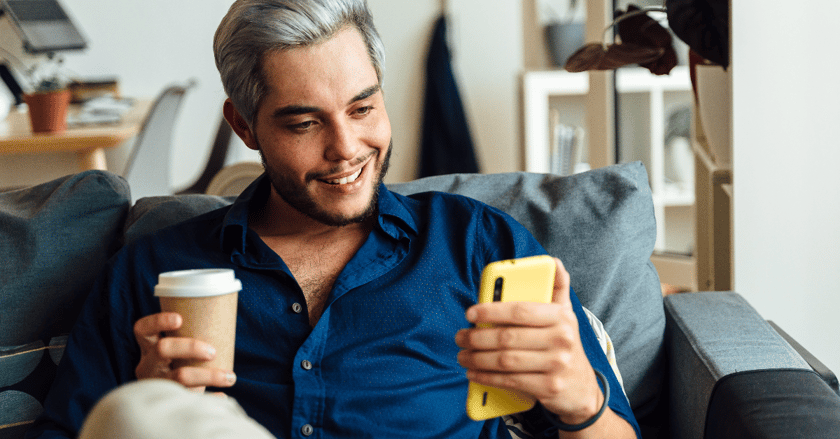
[[544, 89]]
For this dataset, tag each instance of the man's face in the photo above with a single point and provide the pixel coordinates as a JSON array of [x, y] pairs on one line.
[[322, 130]]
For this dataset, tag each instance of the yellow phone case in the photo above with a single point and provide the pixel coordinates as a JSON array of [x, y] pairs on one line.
[[523, 280]]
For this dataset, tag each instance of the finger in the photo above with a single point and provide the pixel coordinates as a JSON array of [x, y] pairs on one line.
[[562, 285], [152, 367], [513, 337], [511, 361], [537, 385], [203, 377], [185, 348], [147, 330], [515, 313]]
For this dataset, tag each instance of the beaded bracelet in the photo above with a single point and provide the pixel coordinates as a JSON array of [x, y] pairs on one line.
[[577, 427]]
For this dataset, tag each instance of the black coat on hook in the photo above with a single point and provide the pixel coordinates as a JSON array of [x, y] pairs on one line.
[[446, 145]]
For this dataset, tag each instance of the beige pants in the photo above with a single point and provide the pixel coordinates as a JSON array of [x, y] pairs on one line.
[[162, 409]]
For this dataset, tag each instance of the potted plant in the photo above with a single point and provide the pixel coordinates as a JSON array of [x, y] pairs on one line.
[[48, 98]]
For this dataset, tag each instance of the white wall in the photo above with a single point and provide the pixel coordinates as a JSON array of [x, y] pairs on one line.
[[786, 153], [405, 28], [146, 45], [152, 43], [486, 45]]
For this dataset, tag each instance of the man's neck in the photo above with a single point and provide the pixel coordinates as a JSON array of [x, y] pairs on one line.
[[314, 252], [276, 219]]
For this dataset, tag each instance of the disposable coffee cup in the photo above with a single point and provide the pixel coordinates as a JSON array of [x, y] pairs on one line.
[[206, 299]]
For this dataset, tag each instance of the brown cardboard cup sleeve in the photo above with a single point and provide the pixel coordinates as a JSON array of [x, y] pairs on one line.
[[207, 300]]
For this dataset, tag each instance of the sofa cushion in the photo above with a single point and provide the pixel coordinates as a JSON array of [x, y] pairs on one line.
[[55, 238], [601, 224], [153, 213]]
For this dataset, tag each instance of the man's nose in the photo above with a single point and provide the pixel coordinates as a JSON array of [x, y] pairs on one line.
[[344, 143]]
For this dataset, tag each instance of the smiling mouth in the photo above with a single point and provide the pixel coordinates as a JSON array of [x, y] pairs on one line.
[[345, 180]]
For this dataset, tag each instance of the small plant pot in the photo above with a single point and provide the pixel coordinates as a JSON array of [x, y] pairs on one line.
[[48, 111], [563, 40]]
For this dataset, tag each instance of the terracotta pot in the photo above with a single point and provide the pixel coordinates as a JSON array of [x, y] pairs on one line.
[[48, 111]]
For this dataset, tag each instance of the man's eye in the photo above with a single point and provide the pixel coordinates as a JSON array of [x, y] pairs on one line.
[[303, 126], [364, 110]]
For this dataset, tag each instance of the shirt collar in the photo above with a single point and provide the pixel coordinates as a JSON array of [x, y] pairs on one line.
[[394, 218]]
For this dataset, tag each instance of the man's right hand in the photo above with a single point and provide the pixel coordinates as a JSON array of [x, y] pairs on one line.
[[157, 353]]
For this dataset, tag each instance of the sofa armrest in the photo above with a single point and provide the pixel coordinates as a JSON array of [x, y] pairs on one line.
[[821, 369], [710, 336], [773, 404]]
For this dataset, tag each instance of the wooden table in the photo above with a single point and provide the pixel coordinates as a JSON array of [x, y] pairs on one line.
[[87, 141]]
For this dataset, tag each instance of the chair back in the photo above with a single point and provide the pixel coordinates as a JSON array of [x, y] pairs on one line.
[[233, 179], [216, 161], [148, 167]]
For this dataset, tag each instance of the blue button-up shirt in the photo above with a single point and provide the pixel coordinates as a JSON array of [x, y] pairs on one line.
[[381, 361]]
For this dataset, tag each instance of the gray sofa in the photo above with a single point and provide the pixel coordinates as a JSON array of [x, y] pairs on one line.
[[694, 365]]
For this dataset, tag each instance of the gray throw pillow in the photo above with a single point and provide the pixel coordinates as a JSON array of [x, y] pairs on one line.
[[601, 225], [55, 239]]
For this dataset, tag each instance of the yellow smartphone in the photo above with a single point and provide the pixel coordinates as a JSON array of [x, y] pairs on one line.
[[528, 279]]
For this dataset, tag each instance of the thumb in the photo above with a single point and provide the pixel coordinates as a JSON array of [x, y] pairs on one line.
[[562, 282]]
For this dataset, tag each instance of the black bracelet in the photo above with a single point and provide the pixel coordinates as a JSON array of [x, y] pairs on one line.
[[577, 427]]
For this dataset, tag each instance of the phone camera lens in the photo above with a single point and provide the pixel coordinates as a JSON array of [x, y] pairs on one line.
[[497, 290]]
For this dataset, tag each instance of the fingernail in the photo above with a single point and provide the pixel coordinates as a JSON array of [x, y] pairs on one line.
[[211, 351], [471, 315], [230, 377]]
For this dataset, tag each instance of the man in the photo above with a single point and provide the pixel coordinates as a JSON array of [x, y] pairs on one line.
[[354, 318]]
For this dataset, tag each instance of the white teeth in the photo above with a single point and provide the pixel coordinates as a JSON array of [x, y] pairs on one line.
[[345, 180]]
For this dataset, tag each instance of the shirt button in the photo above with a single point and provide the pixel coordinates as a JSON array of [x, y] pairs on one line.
[[307, 430], [306, 364], [297, 308]]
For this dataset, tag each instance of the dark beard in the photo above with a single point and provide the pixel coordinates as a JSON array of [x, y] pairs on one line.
[[296, 196]]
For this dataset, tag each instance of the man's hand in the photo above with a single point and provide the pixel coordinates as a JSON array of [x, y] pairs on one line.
[[534, 348], [158, 352]]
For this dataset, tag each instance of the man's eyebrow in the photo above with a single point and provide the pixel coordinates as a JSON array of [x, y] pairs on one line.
[[297, 110], [366, 93], [294, 110]]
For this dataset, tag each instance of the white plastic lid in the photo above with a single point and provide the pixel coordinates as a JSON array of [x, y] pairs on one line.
[[197, 283]]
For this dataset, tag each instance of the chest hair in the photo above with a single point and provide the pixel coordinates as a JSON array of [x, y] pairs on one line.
[[316, 276], [316, 266]]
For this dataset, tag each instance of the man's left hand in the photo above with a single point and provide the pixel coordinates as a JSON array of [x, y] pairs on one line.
[[534, 348]]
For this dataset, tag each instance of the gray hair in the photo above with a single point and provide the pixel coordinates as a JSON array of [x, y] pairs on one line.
[[253, 28]]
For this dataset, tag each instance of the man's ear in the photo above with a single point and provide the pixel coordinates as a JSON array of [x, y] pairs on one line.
[[239, 125]]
